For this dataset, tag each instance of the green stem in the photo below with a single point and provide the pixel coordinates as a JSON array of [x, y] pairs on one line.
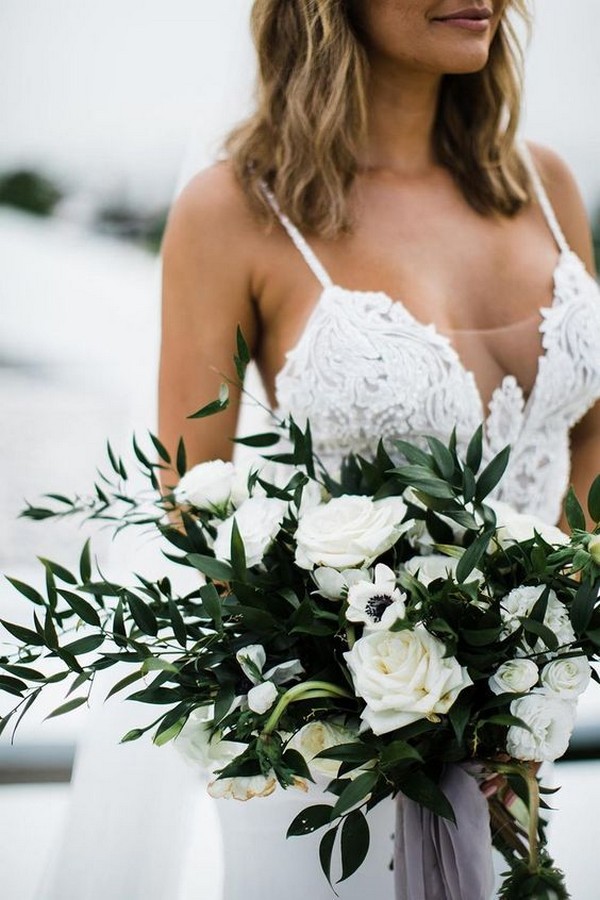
[[305, 691], [534, 814]]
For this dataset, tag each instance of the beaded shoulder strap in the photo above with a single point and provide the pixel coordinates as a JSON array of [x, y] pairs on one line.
[[310, 257], [543, 198]]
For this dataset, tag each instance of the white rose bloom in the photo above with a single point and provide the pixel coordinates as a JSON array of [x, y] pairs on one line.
[[513, 527], [427, 568], [259, 520], [207, 485], [241, 788], [567, 677], [516, 676], [317, 736], [377, 604], [262, 697], [256, 656], [348, 531], [334, 585], [197, 748], [594, 548], [403, 676], [551, 721]]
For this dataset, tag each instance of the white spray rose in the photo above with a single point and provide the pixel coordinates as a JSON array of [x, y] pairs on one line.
[[551, 721], [594, 548], [514, 527], [427, 568], [317, 736], [567, 677], [262, 697], [516, 676], [376, 604], [403, 676], [334, 585], [348, 531], [207, 485], [259, 520]]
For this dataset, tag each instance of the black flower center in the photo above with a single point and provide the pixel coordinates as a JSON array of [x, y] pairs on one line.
[[377, 605]]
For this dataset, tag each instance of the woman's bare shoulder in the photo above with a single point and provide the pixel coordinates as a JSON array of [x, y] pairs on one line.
[[566, 199]]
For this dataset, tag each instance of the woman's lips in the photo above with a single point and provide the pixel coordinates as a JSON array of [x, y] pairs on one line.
[[469, 24]]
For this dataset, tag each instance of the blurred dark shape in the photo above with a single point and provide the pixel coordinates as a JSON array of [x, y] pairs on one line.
[[29, 191], [124, 222]]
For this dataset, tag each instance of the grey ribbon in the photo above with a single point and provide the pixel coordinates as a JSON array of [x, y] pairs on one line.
[[438, 860]]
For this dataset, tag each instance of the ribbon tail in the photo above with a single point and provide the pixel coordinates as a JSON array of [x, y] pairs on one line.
[[438, 860]]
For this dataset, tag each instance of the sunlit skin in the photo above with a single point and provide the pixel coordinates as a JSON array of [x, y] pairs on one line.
[[414, 239]]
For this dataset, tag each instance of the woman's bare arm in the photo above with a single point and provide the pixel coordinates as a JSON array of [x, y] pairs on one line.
[[570, 211], [206, 292]]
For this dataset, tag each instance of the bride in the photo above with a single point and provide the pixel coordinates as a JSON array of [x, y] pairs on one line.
[[400, 263]]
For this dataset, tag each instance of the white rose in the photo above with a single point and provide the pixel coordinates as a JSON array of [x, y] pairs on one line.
[[427, 568], [594, 548], [514, 527], [567, 677], [551, 721], [317, 736], [348, 531], [403, 676], [196, 746], [262, 697], [207, 485], [333, 584], [259, 520], [376, 604], [242, 788], [516, 676]]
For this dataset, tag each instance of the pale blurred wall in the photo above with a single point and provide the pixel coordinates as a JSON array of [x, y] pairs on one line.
[[110, 91]]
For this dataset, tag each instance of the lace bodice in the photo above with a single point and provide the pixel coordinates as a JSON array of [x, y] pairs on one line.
[[365, 367]]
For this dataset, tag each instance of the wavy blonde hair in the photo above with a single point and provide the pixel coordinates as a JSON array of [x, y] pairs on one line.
[[310, 121]]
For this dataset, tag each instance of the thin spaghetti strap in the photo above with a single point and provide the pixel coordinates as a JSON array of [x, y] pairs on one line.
[[543, 198], [299, 240]]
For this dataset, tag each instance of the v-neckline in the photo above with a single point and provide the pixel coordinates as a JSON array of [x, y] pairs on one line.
[[484, 409]]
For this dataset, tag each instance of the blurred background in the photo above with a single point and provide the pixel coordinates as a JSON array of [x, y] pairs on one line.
[[106, 111]]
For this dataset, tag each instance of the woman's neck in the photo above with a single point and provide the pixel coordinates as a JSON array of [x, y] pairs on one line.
[[402, 107]]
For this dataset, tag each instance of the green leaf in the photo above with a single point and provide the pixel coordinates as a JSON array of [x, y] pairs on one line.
[[583, 606], [142, 615], [537, 628], [84, 645], [420, 788], [177, 623], [355, 752], [124, 682], [84, 610], [211, 603], [27, 591], [593, 500], [181, 462], [216, 406], [58, 570], [492, 474], [85, 562], [443, 459], [211, 567], [423, 479], [164, 734], [67, 707], [398, 752], [132, 735], [475, 450], [507, 720], [354, 792], [140, 454], [267, 439], [119, 633], [573, 511], [459, 715], [160, 448], [310, 819], [354, 843], [12, 685], [414, 455], [472, 555], [326, 851], [22, 671], [153, 664], [238, 552]]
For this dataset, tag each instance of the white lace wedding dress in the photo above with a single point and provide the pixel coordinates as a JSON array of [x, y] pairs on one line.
[[365, 367]]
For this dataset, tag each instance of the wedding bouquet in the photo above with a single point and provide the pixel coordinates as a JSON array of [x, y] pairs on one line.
[[392, 632]]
